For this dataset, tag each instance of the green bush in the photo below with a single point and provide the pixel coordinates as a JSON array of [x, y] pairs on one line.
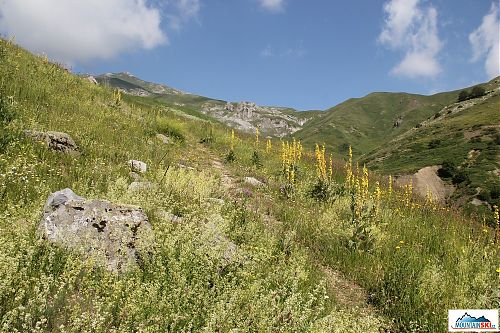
[[447, 170], [256, 161], [230, 157], [477, 91], [434, 143], [463, 95], [460, 177], [495, 192]]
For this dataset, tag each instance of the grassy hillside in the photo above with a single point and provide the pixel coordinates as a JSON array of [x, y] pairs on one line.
[[368, 122], [315, 251], [155, 92], [465, 137]]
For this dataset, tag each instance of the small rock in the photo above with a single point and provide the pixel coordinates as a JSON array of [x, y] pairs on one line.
[[476, 202], [138, 166], [57, 141], [163, 138], [117, 236], [253, 181]]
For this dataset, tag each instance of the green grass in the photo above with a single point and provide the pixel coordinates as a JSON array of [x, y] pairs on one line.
[[445, 140], [366, 123], [277, 280]]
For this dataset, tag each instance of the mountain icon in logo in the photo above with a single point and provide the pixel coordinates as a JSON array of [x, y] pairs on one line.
[[467, 318], [480, 320]]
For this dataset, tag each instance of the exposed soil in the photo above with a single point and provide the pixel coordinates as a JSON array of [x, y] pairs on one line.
[[427, 179]]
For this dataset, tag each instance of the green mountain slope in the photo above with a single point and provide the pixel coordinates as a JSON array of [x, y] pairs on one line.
[[464, 136], [245, 116], [158, 92], [230, 253], [368, 122], [394, 133]]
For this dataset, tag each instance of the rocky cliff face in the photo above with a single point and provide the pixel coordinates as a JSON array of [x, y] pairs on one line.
[[246, 116]]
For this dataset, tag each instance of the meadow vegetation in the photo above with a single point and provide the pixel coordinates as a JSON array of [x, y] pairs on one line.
[[315, 214]]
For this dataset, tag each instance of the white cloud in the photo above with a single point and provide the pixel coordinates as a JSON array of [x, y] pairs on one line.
[[185, 11], [485, 42], [82, 30], [413, 30], [401, 14], [417, 64], [272, 5]]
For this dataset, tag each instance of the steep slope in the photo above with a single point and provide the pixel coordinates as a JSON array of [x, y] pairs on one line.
[[228, 255], [369, 122], [464, 137], [245, 116]]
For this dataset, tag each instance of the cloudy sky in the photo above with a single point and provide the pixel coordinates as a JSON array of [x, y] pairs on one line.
[[304, 54]]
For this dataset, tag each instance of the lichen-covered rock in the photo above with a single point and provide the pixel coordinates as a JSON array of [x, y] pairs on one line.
[[138, 166], [117, 236], [57, 141]]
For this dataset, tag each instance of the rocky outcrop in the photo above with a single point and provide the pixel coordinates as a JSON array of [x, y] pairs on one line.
[[247, 116], [57, 141], [118, 237]]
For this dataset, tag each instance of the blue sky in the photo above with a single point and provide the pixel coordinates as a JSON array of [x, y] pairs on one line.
[[304, 54]]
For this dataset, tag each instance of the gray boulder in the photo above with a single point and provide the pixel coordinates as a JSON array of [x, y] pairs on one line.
[[138, 166], [118, 237], [57, 141]]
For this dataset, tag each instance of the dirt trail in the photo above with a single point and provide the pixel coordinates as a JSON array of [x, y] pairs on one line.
[[346, 293]]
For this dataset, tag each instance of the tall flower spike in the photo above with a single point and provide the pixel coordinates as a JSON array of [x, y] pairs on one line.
[[389, 190], [496, 218], [269, 146], [364, 182], [330, 167], [233, 138], [378, 196]]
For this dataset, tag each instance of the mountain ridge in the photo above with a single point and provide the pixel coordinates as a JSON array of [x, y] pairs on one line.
[[373, 124]]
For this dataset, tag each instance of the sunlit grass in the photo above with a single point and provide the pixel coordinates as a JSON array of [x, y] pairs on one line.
[[415, 259]]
